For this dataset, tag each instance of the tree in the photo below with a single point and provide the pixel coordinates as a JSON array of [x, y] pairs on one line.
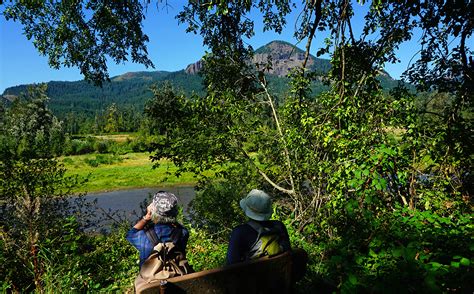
[[352, 168], [83, 34], [33, 187], [348, 161], [354, 108], [111, 119], [30, 129]]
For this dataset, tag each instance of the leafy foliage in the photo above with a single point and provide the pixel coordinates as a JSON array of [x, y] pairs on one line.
[[345, 163], [371, 184], [83, 33], [33, 186]]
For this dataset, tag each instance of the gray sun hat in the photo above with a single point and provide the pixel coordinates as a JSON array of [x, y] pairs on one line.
[[165, 204], [257, 205]]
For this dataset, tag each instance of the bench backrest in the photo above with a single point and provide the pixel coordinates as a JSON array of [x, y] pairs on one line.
[[265, 275]]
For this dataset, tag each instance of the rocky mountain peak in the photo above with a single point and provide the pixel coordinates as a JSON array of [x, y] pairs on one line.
[[283, 55], [194, 68]]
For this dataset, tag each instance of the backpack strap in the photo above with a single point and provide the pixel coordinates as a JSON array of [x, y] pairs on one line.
[[152, 236], [256, 226], [261, 230], [176, 234]]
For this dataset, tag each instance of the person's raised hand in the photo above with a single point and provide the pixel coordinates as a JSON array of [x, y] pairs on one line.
[[147, 217]]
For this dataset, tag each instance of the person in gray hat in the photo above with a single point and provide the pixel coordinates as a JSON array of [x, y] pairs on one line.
[[161, 218], [260, 236]]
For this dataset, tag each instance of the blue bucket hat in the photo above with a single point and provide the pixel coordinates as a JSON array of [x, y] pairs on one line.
[[257, 205]]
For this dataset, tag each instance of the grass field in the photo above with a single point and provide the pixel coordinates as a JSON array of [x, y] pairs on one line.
[[106, 172], [116, 137]]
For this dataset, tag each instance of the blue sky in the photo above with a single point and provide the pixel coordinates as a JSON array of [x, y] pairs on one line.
[[170, 48]]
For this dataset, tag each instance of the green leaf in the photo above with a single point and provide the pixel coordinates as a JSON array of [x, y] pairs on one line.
[[378, 186], [455, 264], [352, 279], [397, 252], [464, 261], [358, 173]]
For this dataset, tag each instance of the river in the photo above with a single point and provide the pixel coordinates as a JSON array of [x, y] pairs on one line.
[[125, 204]]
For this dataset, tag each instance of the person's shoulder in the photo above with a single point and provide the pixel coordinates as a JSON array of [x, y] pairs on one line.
[[162, 227], [269, 223], [242, 228], [276, 224]]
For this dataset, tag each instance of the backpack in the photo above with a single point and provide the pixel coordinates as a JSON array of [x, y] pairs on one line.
[[166, 260], [268, 241]]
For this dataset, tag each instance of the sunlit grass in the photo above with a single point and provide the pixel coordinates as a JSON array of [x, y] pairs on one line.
[[123, 137], [134, 171]]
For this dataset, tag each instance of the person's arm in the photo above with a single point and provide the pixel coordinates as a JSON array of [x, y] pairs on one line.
[[233, 251], [185, 238], [286, 238], [142, 222], [133, 235]]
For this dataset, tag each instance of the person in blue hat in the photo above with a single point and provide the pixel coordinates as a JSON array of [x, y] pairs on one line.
[[260, 236]]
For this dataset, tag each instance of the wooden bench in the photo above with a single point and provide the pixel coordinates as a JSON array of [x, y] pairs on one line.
[[276, 274]]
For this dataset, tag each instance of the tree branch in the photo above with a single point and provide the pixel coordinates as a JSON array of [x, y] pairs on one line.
[[280, 132], [312, 32], [265, 176]]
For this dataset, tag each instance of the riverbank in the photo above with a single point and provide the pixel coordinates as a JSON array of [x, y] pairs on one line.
[[108, 172]]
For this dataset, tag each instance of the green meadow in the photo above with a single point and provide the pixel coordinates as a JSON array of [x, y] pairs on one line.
[[106, 172]]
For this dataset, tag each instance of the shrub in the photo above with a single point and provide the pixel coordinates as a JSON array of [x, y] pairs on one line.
[[90, 263], [78, 147], [205, 251], [102, 159], [101, 146], [217, 221], [68, 160]]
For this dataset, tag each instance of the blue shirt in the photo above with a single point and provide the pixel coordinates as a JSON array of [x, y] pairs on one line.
[[244, 236], [144, 246]]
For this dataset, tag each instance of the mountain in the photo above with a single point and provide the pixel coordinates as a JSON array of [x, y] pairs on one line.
[[126, 90], [286, 56], [283, 55], [133, 89]]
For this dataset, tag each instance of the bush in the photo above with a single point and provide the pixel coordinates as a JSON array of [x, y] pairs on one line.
[[91, 263], [86, 145], [138, 146], [78, 147], [204, 250], [405, 252], [217, 221], [101, 146], [102, 159], [68, 160]]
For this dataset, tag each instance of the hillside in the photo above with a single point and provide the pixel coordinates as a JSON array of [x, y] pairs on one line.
[[129, 89], [133, 89]]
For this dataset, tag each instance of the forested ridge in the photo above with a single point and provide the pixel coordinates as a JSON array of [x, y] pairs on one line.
[[80, 104], [375, 184]]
